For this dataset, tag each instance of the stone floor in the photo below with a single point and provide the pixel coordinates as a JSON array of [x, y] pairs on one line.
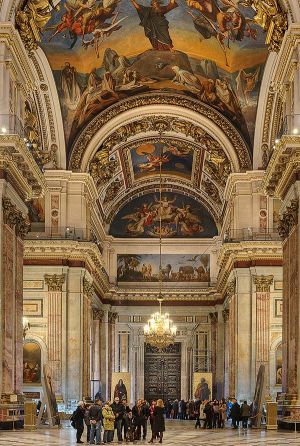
[[177, 433]]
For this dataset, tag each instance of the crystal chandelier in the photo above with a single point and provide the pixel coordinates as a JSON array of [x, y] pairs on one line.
[[160, 331]]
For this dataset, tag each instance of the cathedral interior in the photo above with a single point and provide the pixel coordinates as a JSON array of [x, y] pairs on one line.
[[149, 156]]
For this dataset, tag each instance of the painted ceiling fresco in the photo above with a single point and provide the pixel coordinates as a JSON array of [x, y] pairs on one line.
[[181, 216], [103, 51]]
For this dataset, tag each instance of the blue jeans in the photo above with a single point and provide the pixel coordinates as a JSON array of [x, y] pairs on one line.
[[95, 427], [118, 426]]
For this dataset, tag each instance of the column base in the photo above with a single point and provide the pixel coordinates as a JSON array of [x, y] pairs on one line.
[[289, 411], [11, 412]]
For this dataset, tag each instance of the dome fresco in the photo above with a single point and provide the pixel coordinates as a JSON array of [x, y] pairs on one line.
[[104, 51]]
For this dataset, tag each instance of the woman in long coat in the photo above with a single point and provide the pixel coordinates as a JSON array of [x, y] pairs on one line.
[[158, 422], [108, 423]]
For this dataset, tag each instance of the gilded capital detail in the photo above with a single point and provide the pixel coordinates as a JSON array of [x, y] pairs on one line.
[[263, 283], [112, 317], [14, 218], [98, 314], [54, 281], [213, 317], [88, 288], [225, 314], [288, 220]]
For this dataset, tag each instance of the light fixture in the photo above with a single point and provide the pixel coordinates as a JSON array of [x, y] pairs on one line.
[[26, 326], [159, 331], [3, 130], [295, 131], [276, 141]]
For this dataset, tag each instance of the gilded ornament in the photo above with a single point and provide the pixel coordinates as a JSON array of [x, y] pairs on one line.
[[98, 315], [102, 167], [288, 220], [263, 283], [55, 281], [88, 288], [112, 317], [113, 190]]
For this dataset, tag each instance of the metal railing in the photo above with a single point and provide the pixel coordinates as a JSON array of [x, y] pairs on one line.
[[11, 125], [251, 234]]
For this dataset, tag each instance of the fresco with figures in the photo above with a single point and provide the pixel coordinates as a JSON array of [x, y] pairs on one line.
[[176, 159], [180, 216], [102, 51], [175, 268]]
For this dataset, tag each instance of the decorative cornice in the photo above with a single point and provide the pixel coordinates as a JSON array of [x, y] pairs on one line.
[[263, 283], [255, 251], [64, 250], [289, 219], [206, 295], [55, 281], [17, 161], [175, 100], [14, 218], [283, 167]]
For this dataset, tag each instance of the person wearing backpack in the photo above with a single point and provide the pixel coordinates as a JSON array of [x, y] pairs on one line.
[[95, 416], [77, 420]]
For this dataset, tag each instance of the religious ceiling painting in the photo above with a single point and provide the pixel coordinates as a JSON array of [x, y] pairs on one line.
[[174, 268], [176, 158], [180, 216], [102, 51]]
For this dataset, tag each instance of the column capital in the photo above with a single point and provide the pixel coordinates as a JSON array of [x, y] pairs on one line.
[[288, 220], [98, 314], [213, 317], [88, 288], [55, 281], [14, 218], [231, 288], [112, 316], [225, 314], [263, 283]]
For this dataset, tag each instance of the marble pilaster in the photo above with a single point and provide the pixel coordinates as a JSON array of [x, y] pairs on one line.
[[54, 336], [214, 323], [112, 316], [225, 314], [88, 292]]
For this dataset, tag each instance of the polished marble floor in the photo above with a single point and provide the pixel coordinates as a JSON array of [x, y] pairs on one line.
[[178, 433]]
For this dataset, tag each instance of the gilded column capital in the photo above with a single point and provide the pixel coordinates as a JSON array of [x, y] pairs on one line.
[[213, 317], [288, 220], [88, 288], [225, 314], [55, 281], [14, 218], [263, 283], [112, 317], [231, 288], [98, 315]]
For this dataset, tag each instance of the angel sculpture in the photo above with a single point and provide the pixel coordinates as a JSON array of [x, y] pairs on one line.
[[246, 83]]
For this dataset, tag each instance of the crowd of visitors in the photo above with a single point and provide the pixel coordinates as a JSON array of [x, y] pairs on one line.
[[131, 424]]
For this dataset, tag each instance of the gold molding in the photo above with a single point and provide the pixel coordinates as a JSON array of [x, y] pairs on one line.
[[289, 219]]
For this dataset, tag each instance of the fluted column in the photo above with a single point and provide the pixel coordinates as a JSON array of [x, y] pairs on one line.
[[214, 321], [112, 316], [263, 284], [54, 335], [96, 346], [231, 293], [225, 314], [88, 292]]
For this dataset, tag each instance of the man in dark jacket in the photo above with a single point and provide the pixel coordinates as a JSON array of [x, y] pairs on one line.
[[139, 417], [208, 411], [245, 414], [95, 416], [235, 414], [77, 419], [118, 410]]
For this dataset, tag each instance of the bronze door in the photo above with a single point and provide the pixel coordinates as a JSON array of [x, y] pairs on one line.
[[162, 373]]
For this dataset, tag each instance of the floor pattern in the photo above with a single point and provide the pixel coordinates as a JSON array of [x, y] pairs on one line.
[[178, 433]]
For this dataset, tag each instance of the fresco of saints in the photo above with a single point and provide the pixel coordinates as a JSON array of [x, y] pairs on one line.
[[155, 24]]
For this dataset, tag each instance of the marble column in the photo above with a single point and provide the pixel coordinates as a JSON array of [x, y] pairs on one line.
[[263, 284], [13, 229], [104, 346], [54, 335], [88, 292], [214, 321], [289, 230], [96, 346], [112, 316], [225, 314]]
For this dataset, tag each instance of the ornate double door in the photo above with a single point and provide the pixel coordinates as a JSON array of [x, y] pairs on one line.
[[162, 373]]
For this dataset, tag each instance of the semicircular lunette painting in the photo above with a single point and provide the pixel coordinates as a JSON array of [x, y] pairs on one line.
[[180, 216], [102, 51]]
